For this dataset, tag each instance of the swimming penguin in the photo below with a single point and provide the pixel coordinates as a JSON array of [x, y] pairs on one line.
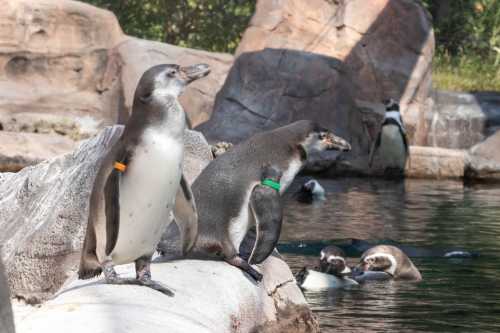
[[387, 260], [223, 190], [139, 188], [311, 191], [333, 272], [391, 145]]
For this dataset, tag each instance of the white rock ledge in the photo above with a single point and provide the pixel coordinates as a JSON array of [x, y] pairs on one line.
[[210, 296]]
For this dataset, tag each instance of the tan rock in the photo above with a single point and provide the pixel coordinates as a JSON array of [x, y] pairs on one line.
[[22, 149], [435, 163], [55, 60], [387, 44]]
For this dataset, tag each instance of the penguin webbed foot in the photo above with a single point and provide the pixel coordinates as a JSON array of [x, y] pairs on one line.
[[239, 262], [143, 278]]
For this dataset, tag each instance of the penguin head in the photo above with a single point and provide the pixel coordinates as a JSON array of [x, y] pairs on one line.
[[315, 138], [332, 261], [161, 81], [391, 105], [380, 259]]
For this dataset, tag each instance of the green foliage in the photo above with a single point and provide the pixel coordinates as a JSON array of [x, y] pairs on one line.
[[465, 73], [213, 25], [466, 26]]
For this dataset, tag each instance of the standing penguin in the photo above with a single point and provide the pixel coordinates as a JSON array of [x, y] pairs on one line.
[[224, 188], [391, 144], [140, 183]]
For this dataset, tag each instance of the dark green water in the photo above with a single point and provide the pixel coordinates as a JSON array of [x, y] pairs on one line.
[[456, 295]]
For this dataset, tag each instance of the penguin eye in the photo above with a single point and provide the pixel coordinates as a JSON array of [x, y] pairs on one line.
[[171, 72]]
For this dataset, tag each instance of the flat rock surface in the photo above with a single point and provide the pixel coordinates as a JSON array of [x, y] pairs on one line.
[[436, 163], [22, 149], [209, 297]]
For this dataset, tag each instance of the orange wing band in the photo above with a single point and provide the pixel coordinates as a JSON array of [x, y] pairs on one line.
[[120, 166]]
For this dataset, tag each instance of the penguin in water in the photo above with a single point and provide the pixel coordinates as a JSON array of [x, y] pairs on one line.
[[223, 190], [386, 262], [391, 145], [333, 272], [310, 192], [139, 188]]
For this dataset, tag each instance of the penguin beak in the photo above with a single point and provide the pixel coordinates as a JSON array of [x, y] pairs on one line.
[[334, 142], [195, 72]]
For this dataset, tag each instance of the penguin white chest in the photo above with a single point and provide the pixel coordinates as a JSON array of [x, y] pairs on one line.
[[392, 149], [147, 194]]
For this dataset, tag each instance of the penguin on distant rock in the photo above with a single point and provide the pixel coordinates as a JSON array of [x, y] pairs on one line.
[[391, 145]]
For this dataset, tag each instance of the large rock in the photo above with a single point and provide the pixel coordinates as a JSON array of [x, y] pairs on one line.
[[386, 44], [43, 212], [66, 68], [55, 67], [209, 297], [483, 161], [271, 88], [6, 319]]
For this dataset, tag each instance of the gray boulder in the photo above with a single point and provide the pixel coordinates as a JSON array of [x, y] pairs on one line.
[[209, 297], [274, 87]]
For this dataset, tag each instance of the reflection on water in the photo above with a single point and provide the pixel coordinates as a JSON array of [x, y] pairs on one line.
[[457, 295]]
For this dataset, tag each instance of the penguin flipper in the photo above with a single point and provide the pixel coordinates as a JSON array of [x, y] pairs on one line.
[[186, 215], [112, 198], [267, 211]]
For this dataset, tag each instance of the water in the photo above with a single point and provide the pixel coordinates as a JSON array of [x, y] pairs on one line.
[[456, 295]]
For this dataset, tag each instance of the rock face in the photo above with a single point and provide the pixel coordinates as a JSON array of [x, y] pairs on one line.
[[209, 297], [6, 320], [43, 212], [56, 71], [461, 120], [274, 87], [67, 69], [387, 45], [484, 159]]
